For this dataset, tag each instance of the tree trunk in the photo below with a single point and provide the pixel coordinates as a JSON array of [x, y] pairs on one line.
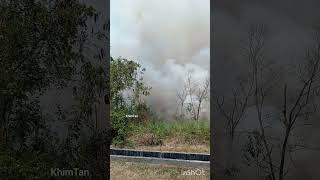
[[198, 110]]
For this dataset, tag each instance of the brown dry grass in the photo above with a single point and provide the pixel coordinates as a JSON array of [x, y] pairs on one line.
[[121, 170], [150, 139], [180, 136], [173, 144], [176, 146]]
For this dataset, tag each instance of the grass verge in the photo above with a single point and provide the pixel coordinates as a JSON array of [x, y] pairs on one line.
[[183, 136], [121, 170]]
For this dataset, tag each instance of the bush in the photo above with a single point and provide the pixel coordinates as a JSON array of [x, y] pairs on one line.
[[143, 112], [150, 140], [119, 126]]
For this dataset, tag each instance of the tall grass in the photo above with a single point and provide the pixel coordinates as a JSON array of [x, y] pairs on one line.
[[192, 132]]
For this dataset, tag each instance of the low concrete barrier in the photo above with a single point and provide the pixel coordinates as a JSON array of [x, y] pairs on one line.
[[161, 154]]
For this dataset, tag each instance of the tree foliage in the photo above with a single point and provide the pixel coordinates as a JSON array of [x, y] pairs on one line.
[[126, 75]]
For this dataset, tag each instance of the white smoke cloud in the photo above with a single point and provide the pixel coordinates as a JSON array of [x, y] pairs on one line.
[[168, 38]]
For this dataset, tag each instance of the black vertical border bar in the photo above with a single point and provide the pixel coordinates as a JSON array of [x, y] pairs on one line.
[[217, 137], [107, 96], [217, 141], [212, 121], [102, 8]]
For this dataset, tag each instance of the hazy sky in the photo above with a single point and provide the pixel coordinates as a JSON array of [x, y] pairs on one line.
[[168, 38]]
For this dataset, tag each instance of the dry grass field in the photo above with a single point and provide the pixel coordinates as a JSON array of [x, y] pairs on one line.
[[185, 136], [121, 170], [178, 147]]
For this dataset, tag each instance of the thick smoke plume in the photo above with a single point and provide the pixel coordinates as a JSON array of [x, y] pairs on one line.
[[169, 39]]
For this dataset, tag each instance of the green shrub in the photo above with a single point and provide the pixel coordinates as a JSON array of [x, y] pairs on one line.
[[193, 131], [119, 124]]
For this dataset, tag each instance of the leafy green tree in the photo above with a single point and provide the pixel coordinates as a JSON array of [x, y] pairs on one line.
[[126, 75]]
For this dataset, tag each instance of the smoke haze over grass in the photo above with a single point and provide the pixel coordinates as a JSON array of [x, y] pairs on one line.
[[169, 39]]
